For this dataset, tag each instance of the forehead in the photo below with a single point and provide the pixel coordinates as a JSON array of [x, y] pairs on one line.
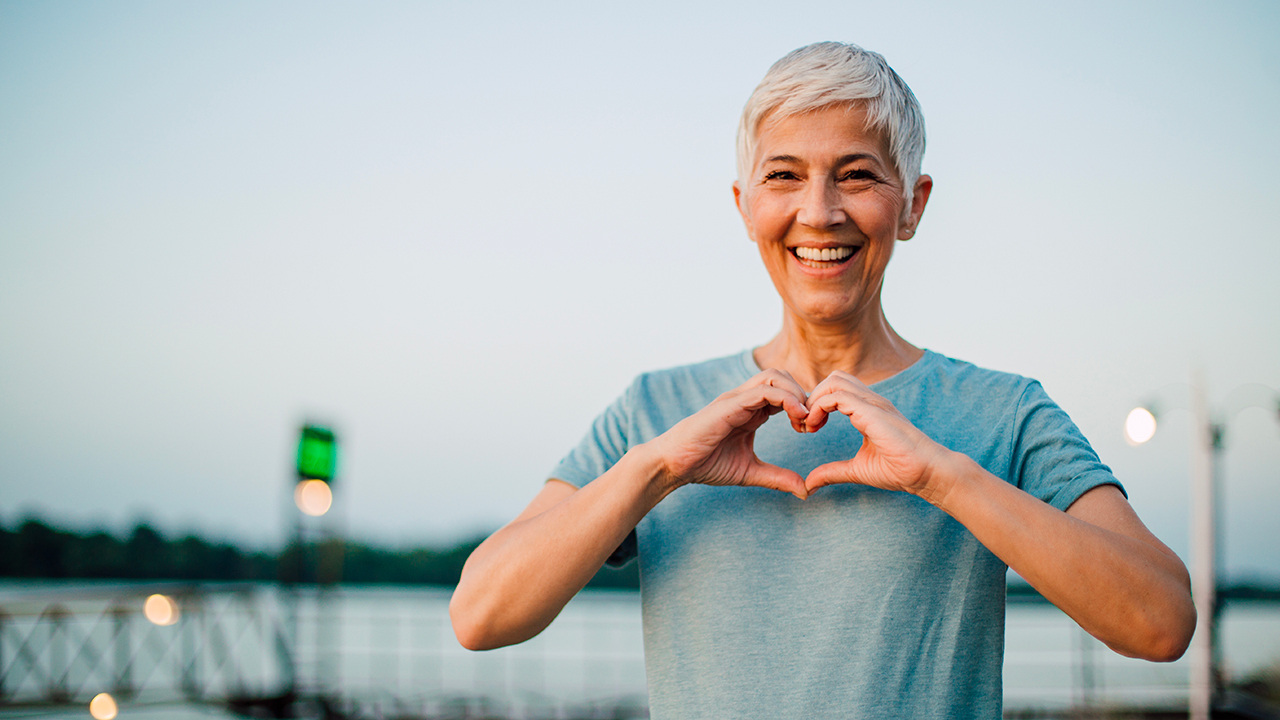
[[832, 130]]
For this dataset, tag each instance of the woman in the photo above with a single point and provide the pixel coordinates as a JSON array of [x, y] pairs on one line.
[[800, 566]]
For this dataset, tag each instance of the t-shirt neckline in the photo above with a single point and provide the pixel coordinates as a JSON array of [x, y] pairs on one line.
[[749, 369]]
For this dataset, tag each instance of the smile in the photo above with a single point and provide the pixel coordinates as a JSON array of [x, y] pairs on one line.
[[823, 257]]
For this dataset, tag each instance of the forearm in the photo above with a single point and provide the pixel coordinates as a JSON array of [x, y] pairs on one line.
[[518, 580], [1123, 587]]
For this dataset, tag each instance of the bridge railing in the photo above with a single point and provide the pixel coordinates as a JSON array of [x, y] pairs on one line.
[[143, 642]]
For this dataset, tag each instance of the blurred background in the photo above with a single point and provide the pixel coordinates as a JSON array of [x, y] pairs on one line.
[[454, 232]]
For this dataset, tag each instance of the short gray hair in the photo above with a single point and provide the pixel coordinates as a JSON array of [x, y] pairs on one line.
[[831, 73]]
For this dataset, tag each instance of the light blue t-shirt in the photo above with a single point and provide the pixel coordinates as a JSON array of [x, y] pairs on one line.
[[855, 603]]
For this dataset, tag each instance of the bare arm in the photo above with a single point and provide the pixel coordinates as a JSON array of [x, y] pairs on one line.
[[1097, 561], [521, 577]]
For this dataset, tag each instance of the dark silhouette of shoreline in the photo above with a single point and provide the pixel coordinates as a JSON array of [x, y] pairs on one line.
[[36, 549]]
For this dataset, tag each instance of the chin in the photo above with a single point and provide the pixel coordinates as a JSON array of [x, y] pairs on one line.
[[826, 313]]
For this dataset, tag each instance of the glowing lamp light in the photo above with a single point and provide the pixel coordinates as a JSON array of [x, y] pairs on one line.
[[1140, 426], [103, 706], [313, 497], [161, 610]]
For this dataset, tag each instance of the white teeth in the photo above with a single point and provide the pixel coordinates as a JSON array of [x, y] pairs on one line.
[[835, 254]]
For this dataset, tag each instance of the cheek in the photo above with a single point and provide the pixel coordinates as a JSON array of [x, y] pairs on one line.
[[764, 222], [889, 209], [879, 225]]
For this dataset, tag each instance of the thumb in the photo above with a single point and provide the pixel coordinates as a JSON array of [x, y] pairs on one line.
[[776, 478], [832, 473]]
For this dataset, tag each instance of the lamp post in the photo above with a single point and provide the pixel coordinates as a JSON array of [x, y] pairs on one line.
[[1206, 453], [316, 468], [317, 463]]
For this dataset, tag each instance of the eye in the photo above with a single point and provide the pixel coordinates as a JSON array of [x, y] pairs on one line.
[[780, 175], [859, 175]]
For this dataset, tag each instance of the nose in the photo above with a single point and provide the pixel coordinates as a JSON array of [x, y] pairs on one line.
[[820, 205]]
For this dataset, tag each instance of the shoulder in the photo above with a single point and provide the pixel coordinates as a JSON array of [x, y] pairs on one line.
[[1008, 424], [956, 401], [694, 381], [940, 376]]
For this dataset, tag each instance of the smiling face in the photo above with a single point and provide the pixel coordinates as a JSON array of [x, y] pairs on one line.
[[824, 205]]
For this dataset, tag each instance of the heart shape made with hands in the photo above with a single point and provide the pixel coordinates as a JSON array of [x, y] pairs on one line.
[[894, 455]]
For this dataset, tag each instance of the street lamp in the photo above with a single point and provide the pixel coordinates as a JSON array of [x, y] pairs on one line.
[[315, 469], [1206, 451], [1140, 426], [317, 549], [313, 497]]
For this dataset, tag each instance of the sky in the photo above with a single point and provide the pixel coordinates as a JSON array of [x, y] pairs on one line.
[[454, 232]]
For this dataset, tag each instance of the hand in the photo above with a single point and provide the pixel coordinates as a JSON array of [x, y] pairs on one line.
[[715, 446], [895, 455]]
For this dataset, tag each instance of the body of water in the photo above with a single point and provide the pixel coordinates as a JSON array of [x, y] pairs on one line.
[[391, 650], [397, 642]]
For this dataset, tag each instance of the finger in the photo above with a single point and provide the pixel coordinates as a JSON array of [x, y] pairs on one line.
[[849, 399], [779, 378], [783, 380], [816, 416], [774, 398], [831, 400], [835, 382], [759, 415], [839, 381], [775, 478]]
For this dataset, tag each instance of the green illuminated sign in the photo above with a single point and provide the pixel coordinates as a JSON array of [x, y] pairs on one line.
[[317, 453]]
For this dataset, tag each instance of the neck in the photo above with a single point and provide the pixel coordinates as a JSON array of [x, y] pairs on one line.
[[870, 351]]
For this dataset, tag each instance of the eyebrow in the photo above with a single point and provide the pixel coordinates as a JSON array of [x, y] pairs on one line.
[[842, 160]]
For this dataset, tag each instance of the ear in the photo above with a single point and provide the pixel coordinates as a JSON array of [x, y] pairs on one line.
[[741, 202], [919, 198]]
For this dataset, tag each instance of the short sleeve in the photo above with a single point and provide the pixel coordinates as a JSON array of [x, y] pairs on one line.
[[600, 449], [1050, 457]]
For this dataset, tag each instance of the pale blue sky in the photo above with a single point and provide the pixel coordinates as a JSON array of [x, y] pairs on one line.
[[455, 231]]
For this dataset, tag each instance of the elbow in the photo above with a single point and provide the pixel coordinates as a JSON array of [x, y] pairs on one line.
[[1172, 637], [471, 629], [1164, 621], [485, 622], [470, 612], [1173, 643], [468, 634], [1164, 638], [472, 637], [1166, 648]]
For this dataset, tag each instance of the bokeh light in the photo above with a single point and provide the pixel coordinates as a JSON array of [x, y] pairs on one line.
[[313, 497], [161, 610], [1140, 426], [103, 706]]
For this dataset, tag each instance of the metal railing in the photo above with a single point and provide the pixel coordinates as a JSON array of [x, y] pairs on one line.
[[59, 647], [395, 655], [390, 652]]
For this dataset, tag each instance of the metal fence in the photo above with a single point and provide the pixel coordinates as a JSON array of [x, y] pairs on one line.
[[390, 653], [393, 653], [66, 646]]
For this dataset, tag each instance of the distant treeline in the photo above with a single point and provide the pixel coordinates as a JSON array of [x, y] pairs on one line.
[[37, 550]]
